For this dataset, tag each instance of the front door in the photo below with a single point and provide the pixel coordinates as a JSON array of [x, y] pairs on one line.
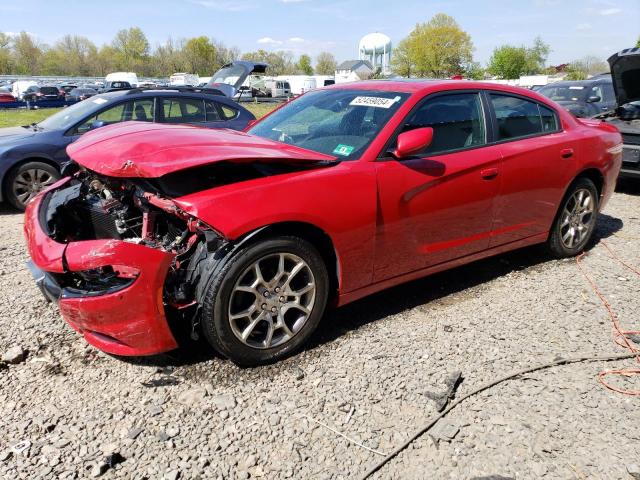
[[438, 205]]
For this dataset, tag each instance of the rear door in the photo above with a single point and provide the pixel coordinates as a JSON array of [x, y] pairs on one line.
[[438, 205], [539, 159]]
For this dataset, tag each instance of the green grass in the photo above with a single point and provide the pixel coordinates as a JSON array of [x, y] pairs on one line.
[[17, 117]]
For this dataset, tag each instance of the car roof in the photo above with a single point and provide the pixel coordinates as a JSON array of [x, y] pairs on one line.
[[132, 94], [427, 85]]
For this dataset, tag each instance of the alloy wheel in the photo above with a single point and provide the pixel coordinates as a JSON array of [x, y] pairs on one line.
[[272, 300], [577, 218], [30, 182]]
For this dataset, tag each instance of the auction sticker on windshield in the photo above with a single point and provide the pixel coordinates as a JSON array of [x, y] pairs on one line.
[[344, 150], [378, 102]]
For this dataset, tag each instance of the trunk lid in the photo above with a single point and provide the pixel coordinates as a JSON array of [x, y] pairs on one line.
[[151, 150], [625, 71]]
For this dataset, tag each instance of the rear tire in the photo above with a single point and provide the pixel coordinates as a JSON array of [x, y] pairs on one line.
[[265, 301], [575, 221], [25, 181]]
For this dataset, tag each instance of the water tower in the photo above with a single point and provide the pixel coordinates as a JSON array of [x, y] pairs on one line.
[[376, 47]]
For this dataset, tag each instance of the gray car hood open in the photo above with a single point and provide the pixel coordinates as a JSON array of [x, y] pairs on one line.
[[245, 67], [625, 71]]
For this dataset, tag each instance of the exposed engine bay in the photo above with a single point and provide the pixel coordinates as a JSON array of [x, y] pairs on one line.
[[140, 211], [93, 207]]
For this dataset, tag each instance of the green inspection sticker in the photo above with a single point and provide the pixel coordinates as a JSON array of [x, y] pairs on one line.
[[344, 150]]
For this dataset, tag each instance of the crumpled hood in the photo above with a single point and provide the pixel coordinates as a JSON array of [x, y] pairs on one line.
[[151, 150], [625, 71]]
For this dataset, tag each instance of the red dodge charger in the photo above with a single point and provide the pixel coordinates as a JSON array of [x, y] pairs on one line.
[[247, 237]]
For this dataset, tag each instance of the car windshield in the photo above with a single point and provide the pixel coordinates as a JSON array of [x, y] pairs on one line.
[[69, 116], [229, 75], [566, 93], [335, 122]]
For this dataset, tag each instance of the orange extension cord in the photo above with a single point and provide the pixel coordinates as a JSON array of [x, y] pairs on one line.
[[619, 335]]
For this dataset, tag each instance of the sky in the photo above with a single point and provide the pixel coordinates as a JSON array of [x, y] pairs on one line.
[[574, 29]]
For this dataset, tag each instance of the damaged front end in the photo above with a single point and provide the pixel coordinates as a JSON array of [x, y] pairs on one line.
[[119, 258]]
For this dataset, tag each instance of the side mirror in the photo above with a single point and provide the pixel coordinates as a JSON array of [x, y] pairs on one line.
[[413, 141], [594, 99], [96, 124]]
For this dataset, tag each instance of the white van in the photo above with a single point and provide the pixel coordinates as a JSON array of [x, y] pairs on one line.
[[299, 83], [324, 80], [278, 88], [184, 80], [130, 77], [19, 87]]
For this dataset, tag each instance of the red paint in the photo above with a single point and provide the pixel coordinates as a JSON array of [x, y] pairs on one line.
[[140, 149], [130, 321], [389, 220]]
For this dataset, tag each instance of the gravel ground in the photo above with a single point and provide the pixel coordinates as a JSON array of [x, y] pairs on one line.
[[370, 374]]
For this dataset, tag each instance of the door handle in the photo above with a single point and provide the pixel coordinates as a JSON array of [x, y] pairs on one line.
[[489, 173], [566, 152]]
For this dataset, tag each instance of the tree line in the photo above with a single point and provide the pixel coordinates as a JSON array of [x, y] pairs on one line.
[[439, 48], [130, 50]]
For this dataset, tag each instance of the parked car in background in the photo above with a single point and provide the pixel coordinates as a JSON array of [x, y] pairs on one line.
[[232, 76], [36, 93], [584, 98], [299, 84], [347, 190], [129, 77], [67, 87], [6, 97], [21, 86], [625, 69], [31, 156], [114, 86], [278, 88], [78, 94]]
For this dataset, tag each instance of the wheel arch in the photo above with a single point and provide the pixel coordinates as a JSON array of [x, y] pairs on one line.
[[593, 174], [311, 233]]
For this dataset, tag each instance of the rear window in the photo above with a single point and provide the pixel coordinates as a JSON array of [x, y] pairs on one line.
[[49, 90], [519, 118]]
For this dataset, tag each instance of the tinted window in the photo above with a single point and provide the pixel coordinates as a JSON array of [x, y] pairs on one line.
[[457, 122], [228, 113], [516, 117], [138, 110], [609, 94], [549, 119], [183, 110]]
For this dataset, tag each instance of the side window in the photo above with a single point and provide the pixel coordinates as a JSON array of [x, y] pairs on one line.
[[457, 121], [142, 110], [516, 117], [228, 113], [549, 119], [212, 111], [183, 110], [118, 113]]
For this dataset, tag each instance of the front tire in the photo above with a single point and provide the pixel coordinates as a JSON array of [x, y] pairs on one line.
[[27, 180], [576, 220], [266, 301]]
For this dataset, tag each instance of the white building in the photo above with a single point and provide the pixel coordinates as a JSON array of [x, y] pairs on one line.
[[353, 71], [376, 48]]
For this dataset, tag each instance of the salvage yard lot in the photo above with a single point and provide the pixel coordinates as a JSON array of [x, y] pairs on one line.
[[368, 373]]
